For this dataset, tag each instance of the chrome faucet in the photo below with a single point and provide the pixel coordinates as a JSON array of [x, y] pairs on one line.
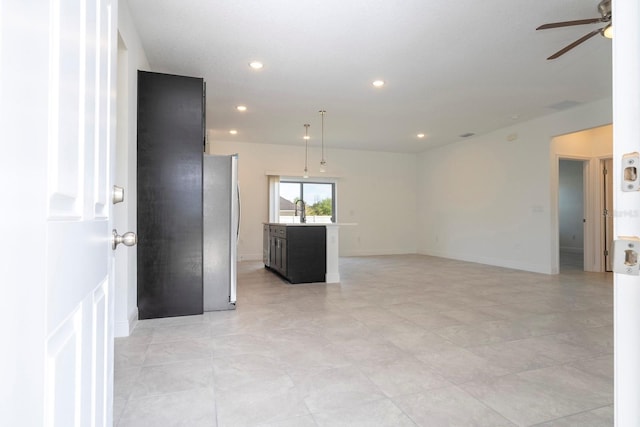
[[303, 214]]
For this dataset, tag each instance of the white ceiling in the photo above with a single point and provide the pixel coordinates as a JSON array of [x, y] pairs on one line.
[[450, 67]]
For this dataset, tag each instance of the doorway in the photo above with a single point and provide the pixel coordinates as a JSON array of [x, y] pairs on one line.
[[588, 147], [571, 207]]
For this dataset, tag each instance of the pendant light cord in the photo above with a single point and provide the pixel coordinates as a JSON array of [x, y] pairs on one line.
[[322, 162], [306, 146]]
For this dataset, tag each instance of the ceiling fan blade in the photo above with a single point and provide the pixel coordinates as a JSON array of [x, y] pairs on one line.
[[575, 43], [569, 23]]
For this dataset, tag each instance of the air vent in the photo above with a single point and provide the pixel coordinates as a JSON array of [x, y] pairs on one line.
[[467, 135]]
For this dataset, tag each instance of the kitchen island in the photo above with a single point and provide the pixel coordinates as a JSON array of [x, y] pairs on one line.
[[302, 253]]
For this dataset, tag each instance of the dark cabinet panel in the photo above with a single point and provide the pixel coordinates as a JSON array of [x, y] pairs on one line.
[[282, 256], [273, 241], [298, 253], [272, 253], [266, 248], [306, 259], [169, 174]]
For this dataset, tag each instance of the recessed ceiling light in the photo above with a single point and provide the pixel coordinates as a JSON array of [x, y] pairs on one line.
[[306, 137], [241, 108], [256, 65], [233, 132], [378, 83], [421, 135]]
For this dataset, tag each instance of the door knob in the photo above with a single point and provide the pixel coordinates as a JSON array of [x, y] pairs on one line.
[[127, 239]]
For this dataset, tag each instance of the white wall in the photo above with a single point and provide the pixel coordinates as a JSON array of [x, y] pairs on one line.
[[488, 200], [131, 58], [596, 142], [571, 206], [376, 190]]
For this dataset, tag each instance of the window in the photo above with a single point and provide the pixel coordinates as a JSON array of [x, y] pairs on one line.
[[318, 197]]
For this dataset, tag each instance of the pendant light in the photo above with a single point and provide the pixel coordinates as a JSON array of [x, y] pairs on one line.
[[323, 162], [306, 150]]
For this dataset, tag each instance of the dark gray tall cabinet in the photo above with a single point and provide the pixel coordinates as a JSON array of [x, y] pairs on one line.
[[169, 171]]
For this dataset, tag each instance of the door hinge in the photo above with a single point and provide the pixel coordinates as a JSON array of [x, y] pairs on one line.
[[606, 252], [605, 171], [605, 212]]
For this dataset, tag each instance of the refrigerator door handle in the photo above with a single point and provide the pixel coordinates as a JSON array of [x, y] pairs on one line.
[[235, 191], [238, 213]]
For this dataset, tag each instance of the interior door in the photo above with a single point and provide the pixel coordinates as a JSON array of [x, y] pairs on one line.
[[607, 214], [57, 105]]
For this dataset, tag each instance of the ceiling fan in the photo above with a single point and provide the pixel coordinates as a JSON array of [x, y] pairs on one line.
[[604, 7]]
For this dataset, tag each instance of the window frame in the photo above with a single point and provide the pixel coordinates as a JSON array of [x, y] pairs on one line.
[[303, 181]]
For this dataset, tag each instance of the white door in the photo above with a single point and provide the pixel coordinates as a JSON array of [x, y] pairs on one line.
[[57, 104]]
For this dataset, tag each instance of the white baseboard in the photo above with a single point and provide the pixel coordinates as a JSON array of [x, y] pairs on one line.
[[332, 278], [498, 262], [258, 257], [250, 257], [133, 319], [123, 328], [378, 253]]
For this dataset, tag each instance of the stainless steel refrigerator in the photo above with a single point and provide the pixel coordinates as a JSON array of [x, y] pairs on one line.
[[221, 225]]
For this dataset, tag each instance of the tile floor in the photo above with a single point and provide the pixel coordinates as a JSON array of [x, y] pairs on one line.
[[403, 341], [571, 261]]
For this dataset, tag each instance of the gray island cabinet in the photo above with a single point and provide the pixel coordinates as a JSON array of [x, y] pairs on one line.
[[297, 252]]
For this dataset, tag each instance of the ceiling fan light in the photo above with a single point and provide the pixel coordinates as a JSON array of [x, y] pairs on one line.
[[608, 31]]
